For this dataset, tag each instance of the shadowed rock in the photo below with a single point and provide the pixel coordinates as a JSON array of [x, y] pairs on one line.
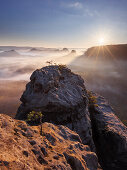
[[65, 50], [108, 52], [110, 136], [73, 51], [62, 98]]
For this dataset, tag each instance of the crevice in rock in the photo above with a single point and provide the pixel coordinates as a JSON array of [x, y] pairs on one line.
[[110, 144], [95, 134]]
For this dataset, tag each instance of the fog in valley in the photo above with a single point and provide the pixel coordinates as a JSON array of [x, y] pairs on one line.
[[107, 78]]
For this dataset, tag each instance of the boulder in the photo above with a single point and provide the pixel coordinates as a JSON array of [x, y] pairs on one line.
[[22, 147], [61, 97], [110, 136]]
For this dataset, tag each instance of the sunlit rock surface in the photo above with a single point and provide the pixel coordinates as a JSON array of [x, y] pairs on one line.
[[61, 96], [23, 148], [110, 136]]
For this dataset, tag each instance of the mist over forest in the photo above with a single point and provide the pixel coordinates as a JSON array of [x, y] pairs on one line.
[[105, 76]]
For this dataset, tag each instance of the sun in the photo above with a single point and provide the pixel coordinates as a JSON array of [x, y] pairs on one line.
[[101, 41]]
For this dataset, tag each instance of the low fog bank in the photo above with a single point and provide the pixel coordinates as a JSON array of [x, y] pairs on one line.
[[107, 78], [16, 66], [19, 63]]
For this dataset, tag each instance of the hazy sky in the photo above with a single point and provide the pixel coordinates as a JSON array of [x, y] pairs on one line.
[[62, 23]]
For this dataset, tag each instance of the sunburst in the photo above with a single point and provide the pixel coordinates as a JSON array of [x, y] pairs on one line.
[[101, 41]]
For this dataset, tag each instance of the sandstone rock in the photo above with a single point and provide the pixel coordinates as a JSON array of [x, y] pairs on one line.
[[73, 51], [65, 50], [101, 52], [34, 49], [38, 152], [110, 136], [61, 96]]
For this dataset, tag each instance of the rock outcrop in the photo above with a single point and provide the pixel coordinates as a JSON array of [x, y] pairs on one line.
[[61, 96], [73, 51], [108, 52], [23, 148], [110, 136], [65, 50], [35, 49]]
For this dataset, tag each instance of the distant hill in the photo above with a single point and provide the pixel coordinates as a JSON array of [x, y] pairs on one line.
[[108, 52], [10, 53], [35, 49], [44, 49], [7, 48]]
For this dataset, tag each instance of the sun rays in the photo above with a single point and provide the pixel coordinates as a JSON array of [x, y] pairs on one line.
[[101, 53]]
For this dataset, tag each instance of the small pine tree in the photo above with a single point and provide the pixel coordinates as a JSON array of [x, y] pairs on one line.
[[35, 117], [92, 99], [61, 66]]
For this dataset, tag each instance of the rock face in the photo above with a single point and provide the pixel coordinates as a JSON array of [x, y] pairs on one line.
[[110, 136], [23, 148], [73, 51], [108, 52], [34, 49], [65, 50], [61, 96]]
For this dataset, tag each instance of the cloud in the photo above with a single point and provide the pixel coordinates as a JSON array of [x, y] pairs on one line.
[[80, 9], [72, 5], [76, 5], [90, 13]]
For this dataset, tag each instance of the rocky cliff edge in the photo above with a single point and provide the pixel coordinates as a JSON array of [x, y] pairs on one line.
[[23, 148], [63, 99]]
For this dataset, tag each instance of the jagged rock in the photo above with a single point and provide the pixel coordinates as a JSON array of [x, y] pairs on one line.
[[110, 136], [35, 49], [65, 50], [38, 152], [61, 96], [73, 51]]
